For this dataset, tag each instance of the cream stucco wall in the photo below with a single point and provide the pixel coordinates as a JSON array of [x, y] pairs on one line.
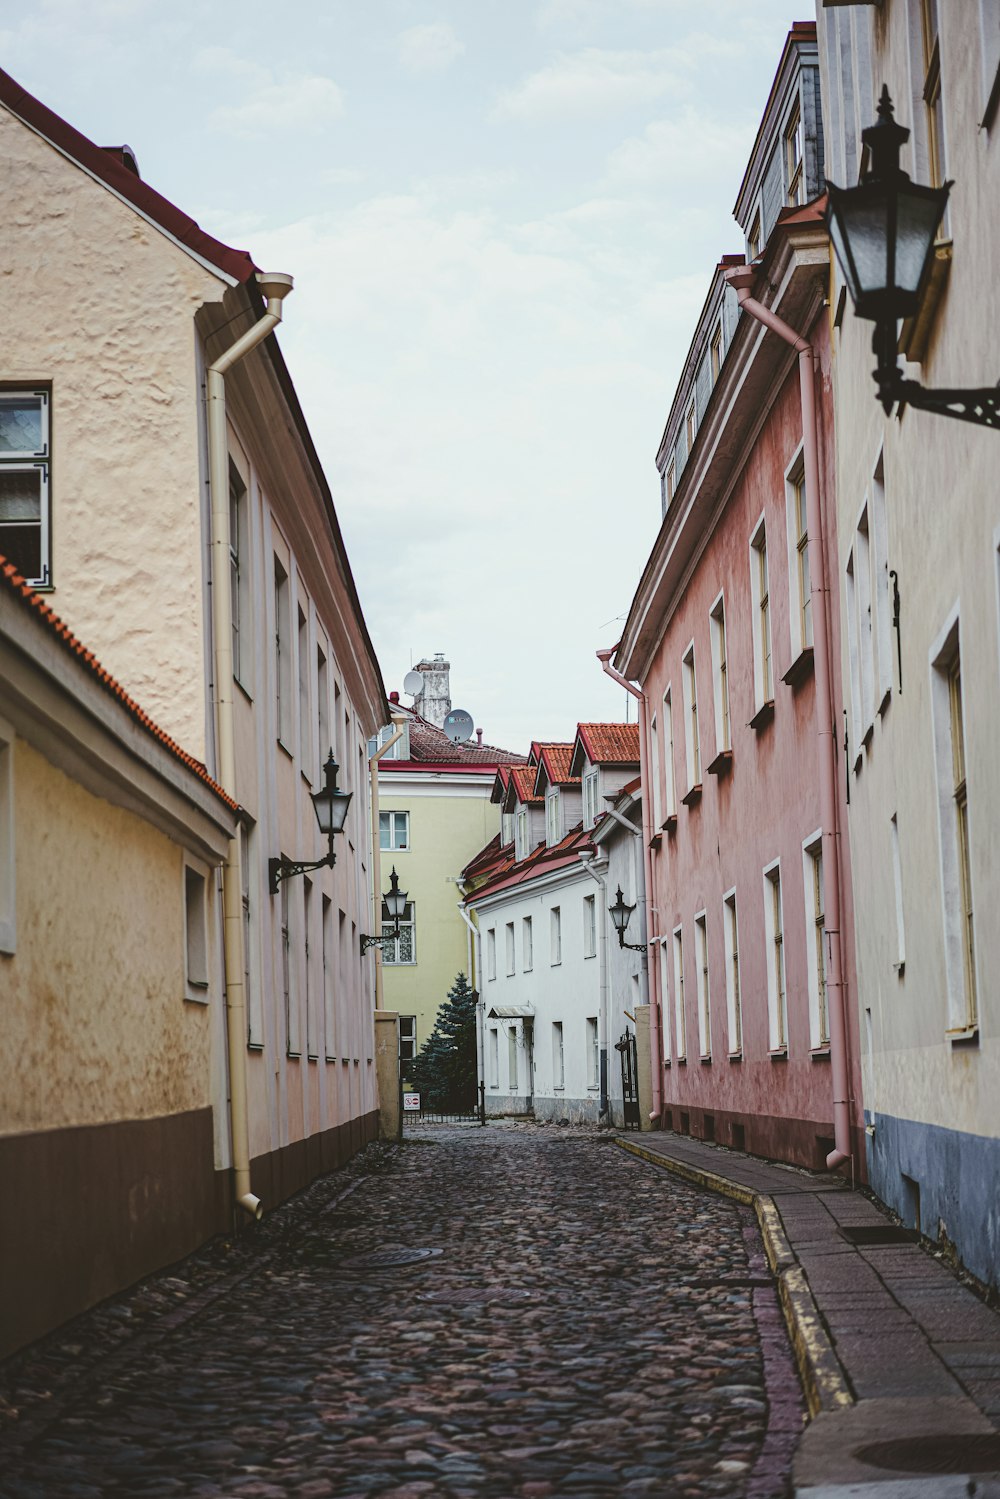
[[101, 306], [96, 1025]]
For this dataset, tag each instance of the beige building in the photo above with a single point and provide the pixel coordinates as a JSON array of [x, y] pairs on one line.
[[919, 565], [158, 480], [107, 831]]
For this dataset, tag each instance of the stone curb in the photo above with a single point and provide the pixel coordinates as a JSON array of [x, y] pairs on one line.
[[821, 1374]]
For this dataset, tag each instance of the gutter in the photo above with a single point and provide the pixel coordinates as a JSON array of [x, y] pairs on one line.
[[275, 287], [476, 947], [652, 970], [741, 279]]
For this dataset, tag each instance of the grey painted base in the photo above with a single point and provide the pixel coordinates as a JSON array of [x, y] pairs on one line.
[[944, 1182]]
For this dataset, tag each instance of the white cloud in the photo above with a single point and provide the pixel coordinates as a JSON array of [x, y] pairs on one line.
[[692, 147], [267, 102], [592, 82], [430, 48]]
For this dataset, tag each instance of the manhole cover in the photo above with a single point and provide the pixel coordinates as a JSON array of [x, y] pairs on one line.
[[879, 1233], [387, 1259], [947, 1453]]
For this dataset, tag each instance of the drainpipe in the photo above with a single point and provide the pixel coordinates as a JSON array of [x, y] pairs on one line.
[[652, 971], [475, 943], [275, 288], [377, 854], [587, 861], [741, 279]]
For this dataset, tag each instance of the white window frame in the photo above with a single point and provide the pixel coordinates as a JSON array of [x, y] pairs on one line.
[[680, 1018], [249, 890], [762, 618], [512, 1068], [327, 970], [800, 557], [283, 650], [593, 1054], [240, 568], [308, 949], [527, 945], [865, 633], [703, 984], [817, 977], [558, 1057], [553, 820], [494, 1056], [589, 926], [197, 934], [407, 1037], [491, 954], [897, 886], [591, 791], [720, 675], [665, 1003], [734, 987], [555, 936], [8, 881], [692, 736], [324, 746], [506, 828], [853, 654], [394, 846], [880, 586], [989, 39], [15, 461], [964, 983], [521, 835], [654, 756], [400, 750], [670, 779], [509, 949], [777, 981]]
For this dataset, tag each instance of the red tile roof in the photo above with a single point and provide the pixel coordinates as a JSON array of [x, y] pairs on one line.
[[502, 871], [608, 743], [555, 760], [431, 745], [13, 584], [109, 167], [522, 782]]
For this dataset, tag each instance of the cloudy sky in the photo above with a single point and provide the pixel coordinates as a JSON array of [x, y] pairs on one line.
[[501, 217]]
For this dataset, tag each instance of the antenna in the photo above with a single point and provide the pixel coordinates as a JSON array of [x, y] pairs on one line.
[[458, 725]]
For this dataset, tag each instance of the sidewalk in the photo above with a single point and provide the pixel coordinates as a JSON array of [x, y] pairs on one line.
[[900, 1363]]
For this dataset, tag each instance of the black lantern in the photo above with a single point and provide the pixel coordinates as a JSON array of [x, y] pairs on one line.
[[394, 901], [621, 915], [883, 233], [330, 805]]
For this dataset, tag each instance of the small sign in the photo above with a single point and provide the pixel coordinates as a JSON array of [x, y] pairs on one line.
[[411, 1103]]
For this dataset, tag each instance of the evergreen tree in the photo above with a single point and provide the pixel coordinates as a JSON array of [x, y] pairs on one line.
[[444, 1071]]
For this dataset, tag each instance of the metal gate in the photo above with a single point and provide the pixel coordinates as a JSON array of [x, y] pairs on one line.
[[626, 1049]]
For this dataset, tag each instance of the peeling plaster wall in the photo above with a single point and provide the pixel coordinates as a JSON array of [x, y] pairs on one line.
[[104, 311], [96, 1026]]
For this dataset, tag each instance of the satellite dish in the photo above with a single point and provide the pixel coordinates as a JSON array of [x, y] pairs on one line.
[[458, 725], [412, 683]]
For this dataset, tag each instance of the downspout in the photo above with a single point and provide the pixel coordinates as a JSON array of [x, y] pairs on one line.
[[377, 854], [741, 279], [602, 1009], [475, 943], [275, 288], [652, 970]]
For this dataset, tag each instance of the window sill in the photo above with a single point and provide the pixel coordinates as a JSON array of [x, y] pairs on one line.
[[589, 955], [965, 1035], [197, 994], [329, 1059], [869, 735], [245, 690], [820, 1053], [312, 1057], [669, 824], [801, 668], [656, 840], [706, 1061], [693, 796], [293, 1056], [257, 1046], [763, 716], [722, 764], [286, 750], [884, 704], [736, 1056], [778, 1054], [682, 1061], [859, 761], [900, 968]]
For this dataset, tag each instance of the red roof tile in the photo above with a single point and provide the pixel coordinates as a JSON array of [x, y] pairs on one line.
[[13, 584], [555, 760], [431, 745], [504, 871], [610, 743], [522, 779]]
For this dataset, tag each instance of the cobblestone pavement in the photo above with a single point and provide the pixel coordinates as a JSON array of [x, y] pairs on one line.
[[584, 1325]]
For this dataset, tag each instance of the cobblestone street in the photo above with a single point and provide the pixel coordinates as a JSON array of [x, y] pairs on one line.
[[582, 1324]]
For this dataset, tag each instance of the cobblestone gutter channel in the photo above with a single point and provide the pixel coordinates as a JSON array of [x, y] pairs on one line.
[[590, 1327]]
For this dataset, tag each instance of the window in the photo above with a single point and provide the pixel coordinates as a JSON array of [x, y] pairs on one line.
[[491, 952], [671, 479], [494, 1057], [589, 926], [989, 30], [394, 831], [716, 353], [291, 1014], [512, 1058], [590, 798], [305, 738], [506, 828], [510, 949], [881, 592], [734, 1008], [593, 1054], [251, 989], [897, 883], [400, 750], [794, 158], [555, 936], [933, 105], [327, 977], [654, 752], [760, 594], [800, 611], [8, 905], [668, 751], [777, 1014], [553, 830], [558, 1056], [527, 945], [953, 816], [239, 576], [704, 997], [196, 932], [691, 720], [812, 882], [282, 653], [323, 745], [25, 510], [664, 1002], [753, 238], [521, 849], [691, 425], [312, 1026], [338, 754], [720, 676], [680, 1020], [403, 950], [863, 626], [408, 1040]]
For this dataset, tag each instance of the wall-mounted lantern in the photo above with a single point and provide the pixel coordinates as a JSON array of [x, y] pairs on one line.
[[883, 233], [330, 805], [621, 914], [394, 901]]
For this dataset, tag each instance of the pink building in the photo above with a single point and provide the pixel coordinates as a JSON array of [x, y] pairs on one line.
[[733, 640]]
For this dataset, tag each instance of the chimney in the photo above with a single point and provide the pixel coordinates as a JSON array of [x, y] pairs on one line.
[[479, 736], [433, 701]]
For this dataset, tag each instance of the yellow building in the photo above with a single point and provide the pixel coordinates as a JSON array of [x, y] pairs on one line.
[[435, 814]]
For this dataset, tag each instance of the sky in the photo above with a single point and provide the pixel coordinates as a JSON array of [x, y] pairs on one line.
[[502, 218]]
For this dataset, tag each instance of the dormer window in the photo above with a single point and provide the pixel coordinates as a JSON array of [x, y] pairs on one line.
[[753, 238], [716, 351], [590, 798], [671, 479], [506, 827], [552, 821], [521, 834], [794, 158], [691, 425]]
